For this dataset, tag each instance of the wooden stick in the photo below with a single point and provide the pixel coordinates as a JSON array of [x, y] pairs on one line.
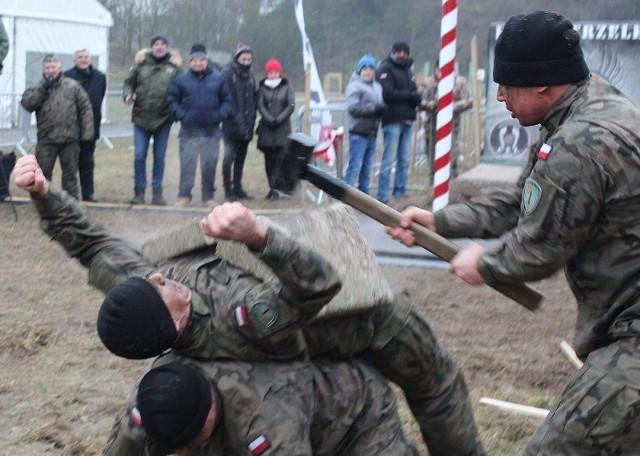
[[518, 409], [571, 354]]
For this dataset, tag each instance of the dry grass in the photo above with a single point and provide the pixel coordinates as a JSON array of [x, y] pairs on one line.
[[60, 389]]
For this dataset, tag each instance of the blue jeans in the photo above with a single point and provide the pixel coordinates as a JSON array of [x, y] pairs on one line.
[[362, 151], [397, 148], [141, 138]]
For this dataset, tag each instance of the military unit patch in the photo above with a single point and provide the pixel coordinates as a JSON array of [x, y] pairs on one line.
[[265, 312], [544, 151], [531, 195]]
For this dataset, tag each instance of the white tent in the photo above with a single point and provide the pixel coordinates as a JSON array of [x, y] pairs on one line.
[[37, 27]]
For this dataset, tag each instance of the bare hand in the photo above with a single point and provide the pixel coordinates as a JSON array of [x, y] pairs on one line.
[[235, 222], [410, 215], [28, 176], [465, 264]]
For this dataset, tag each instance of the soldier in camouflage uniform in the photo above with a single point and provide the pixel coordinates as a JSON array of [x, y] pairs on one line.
[[576, 207], [462, 101], [205, 308], [64, 118], [296, 408]]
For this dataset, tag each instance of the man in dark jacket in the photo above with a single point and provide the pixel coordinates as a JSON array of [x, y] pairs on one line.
[[200, 100], [238, 128], [401, 96], [94, 82], [146, 88], [64, 117]]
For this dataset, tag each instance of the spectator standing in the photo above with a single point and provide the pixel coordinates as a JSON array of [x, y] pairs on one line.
[[575, 208], [365, 106], [401, 96], [64, 118], [200, 100], [146, 88], [462, 101], [94, 82], [276, 103], [237, 130]]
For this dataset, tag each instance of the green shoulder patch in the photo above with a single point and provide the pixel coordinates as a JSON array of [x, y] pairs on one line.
[[531, 195], [265, 313]]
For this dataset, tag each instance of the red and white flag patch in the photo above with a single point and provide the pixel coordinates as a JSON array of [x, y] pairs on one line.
[[259, 445], [241, 316], [135, 417], [544, 151]]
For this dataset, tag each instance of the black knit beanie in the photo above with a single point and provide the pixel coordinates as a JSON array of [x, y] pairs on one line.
[[400, 46], [134, 322], [174, 401], [162, 38], [538, 49]]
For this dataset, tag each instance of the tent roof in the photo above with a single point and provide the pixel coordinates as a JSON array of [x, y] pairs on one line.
[[82, 11]]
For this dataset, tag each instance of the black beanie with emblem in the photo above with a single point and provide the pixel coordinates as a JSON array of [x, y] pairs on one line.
[[538, 49], [174, 401], [134, 322]]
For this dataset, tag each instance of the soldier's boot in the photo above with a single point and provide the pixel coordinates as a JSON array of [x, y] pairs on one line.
[[138, 197], [156, 197]]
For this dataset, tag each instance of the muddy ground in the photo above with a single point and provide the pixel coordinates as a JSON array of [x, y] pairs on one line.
[[60, 389]]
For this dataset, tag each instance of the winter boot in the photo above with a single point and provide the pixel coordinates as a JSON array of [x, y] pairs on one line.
[[138, 197], [156, 198]]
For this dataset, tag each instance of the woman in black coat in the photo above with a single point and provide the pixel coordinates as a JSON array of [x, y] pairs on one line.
[[276, 99]]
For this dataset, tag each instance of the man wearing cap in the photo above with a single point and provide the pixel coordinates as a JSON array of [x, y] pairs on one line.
[[323, 407], [204, 307], [64, 118], [200, 100], [237, 129], [364, 103], [575, 208], [401, 96], [146, 88]]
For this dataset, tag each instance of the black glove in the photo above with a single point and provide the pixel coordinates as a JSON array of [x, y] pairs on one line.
[[48, 83], [416, 97], [273, 124]]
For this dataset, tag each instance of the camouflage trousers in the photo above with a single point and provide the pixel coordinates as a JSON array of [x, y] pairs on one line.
[[598, 413], [47, 154]]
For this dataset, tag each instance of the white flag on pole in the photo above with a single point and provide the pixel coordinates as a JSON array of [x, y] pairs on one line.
[[320, 115]]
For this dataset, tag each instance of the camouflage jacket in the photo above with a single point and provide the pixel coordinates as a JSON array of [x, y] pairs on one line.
[[298, 408], [462, 96], [577, 207], [149, 81], [234, 314], [63, 113]]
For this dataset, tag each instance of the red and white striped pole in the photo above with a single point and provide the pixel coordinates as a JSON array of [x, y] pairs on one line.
[[444, 118]]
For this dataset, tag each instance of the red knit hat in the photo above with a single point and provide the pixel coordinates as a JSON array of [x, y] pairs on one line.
[[273, 65]]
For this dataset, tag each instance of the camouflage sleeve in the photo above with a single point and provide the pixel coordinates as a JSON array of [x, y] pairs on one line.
[[306, 277], [109, 259], [129, 439], [560, 202], [490, 214], [85, 114], [4, 43], [34, 97]]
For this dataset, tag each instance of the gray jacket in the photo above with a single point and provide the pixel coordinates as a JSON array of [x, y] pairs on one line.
[[365, 105]]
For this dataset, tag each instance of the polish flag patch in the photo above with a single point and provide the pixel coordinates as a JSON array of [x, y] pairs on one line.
[[135, 417], [241, 316], [259, 445], [544, 151]]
